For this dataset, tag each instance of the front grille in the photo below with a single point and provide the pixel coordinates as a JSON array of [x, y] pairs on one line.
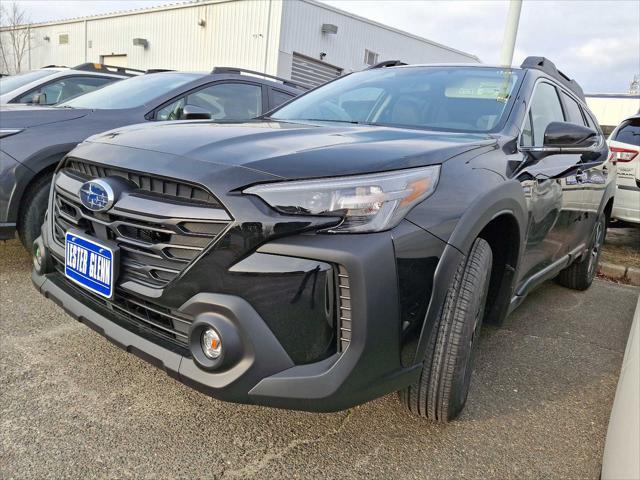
[[145, 316], [147, 183], [344, 309], [154, 248]]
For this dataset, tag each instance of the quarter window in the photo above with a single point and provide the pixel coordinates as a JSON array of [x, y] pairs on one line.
[[278, 98], [574, 113], [225, 101], [545, 108]]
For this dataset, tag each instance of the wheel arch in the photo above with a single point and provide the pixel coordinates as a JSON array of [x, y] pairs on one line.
[[500, 217], [43, 163]]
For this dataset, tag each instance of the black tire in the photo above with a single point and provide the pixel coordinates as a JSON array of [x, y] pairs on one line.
[[441, 391], [579, 275], [32, 210]]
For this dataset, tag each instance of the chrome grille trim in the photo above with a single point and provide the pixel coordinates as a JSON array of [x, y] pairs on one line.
[[157, 242], [344, 309]]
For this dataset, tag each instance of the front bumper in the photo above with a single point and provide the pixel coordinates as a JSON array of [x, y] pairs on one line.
[[265, 374]]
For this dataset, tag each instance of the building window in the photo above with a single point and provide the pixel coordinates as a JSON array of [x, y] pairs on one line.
[[63, 39], [370, 58]]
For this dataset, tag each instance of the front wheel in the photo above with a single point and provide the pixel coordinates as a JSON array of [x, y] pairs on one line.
[[579, 275], [441, 391], [32, 211]]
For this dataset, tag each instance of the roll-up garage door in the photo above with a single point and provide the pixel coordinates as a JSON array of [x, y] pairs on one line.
[[312, 73]]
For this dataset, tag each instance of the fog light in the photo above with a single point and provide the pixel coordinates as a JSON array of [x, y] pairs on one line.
[[211, 344], [37, 255]]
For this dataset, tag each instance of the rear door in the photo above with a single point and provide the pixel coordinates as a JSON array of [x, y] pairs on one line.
[[593, 179]]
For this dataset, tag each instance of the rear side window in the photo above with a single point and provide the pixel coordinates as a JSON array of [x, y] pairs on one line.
[[545, 108], [224, 101], [278, 98], [629, 132], [64, 89], [574, 113]]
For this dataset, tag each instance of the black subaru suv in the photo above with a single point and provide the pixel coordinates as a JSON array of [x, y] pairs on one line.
[[347, 245]]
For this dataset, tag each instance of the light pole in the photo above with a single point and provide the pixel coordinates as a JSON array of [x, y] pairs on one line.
[[510, 33]]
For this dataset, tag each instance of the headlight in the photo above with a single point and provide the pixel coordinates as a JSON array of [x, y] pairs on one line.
[[5, 132], [367, 203]]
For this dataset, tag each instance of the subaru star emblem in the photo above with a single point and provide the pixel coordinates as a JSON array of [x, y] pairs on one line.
[[97, 195]]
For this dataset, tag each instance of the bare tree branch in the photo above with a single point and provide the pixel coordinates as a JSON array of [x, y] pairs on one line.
[[15, 36]]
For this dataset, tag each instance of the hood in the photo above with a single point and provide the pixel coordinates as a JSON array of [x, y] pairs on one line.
[[295, 151], [24, 116]]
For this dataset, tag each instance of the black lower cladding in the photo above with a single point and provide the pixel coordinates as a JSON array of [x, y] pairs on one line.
[[148, 321], [295, 297]]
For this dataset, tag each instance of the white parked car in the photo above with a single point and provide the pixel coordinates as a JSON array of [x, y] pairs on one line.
[[621, 459], [51, 85], [624, 145]]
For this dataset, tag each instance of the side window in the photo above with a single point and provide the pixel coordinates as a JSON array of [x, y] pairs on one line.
[[64, 89], [591, 122], [545, 108], [225, 101], [574, 113], [278, 98]]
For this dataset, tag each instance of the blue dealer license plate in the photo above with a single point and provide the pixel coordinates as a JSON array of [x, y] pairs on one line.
[[90, 264]]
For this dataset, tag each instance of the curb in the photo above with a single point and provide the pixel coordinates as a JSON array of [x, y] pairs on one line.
[[630, 275]]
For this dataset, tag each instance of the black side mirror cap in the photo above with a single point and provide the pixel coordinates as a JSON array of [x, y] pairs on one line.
[[569, 135], [193, 112], [565, 137]]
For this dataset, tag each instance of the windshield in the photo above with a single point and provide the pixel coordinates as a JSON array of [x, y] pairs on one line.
[[467, 99], [133, 92], [8, 84]]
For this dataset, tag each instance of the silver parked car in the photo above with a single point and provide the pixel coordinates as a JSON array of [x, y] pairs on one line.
[[621, 460]]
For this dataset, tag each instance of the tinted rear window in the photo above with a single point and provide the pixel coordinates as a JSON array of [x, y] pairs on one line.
[[629, 132]]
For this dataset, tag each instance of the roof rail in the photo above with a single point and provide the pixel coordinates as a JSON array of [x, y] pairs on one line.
[[159, 70], [240, 71], [55, 66], [547, 66], [387, 63], [101, 68]]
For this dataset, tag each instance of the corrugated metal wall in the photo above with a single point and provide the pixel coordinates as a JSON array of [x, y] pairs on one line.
[[301, 33], [256, 34], [236, 33]]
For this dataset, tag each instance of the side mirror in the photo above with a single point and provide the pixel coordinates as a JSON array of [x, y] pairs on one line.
[[193, 112], [565, 137]]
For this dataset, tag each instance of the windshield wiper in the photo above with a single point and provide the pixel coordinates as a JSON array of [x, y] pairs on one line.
[[353, 122]]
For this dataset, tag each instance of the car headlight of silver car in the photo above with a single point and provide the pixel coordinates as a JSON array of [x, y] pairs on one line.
[[367, 203], [5, 132]]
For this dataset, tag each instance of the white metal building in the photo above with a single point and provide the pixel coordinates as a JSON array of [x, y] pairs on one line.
[[612, 108], [301, 39]]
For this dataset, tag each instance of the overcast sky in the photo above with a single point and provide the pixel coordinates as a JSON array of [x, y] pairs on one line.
[[595, 41]]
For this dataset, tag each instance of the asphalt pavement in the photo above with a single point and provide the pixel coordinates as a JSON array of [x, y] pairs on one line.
[[74, 405]]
